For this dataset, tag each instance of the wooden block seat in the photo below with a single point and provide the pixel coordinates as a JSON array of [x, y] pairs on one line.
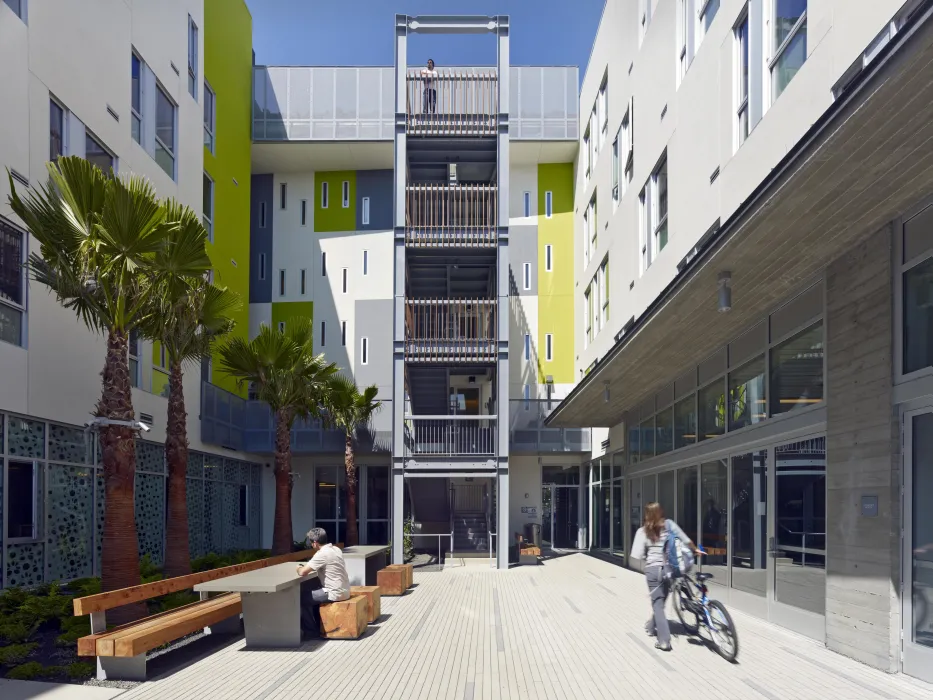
[[408, 569], [344, 619], [373, 600], [391, 580]]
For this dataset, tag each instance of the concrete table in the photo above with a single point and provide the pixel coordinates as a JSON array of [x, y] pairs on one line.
[[271, 603], [363, 562]]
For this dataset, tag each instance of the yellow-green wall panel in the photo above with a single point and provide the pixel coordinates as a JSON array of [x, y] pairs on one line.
[[555, 288], [282, 311], [335, 217], [228, 68]]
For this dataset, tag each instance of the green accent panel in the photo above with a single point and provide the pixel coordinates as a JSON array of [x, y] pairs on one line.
[[284, 310], [228, 67], [159, 382], [555, 288], [335, 217]]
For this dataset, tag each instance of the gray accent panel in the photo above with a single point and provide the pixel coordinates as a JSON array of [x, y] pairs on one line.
[[377, 185], [260, 240], [523, 248], [374, 321]]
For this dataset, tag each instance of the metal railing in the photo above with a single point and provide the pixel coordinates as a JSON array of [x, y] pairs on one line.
[[528, 434], [453, 102], [450, 436], [450, 329], [440, 536], [438, 215]]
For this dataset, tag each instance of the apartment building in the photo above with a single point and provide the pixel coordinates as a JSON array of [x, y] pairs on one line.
[[161, 90], [752, 209]]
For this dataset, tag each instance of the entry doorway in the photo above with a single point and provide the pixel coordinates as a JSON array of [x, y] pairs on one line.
[[560, 516]]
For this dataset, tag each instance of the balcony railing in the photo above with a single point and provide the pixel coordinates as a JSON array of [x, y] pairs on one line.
[[453, 103], [450, 436], [528, 434], [450, 329], [438, 216]]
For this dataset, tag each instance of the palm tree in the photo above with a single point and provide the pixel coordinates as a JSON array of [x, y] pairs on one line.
[[194, 314], [285, 374], [349, 409], [98, 239]]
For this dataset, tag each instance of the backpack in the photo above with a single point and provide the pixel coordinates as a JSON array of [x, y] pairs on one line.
[[678, 557]]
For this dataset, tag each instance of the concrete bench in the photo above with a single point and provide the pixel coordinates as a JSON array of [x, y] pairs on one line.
[[373, 600], [344, 619]]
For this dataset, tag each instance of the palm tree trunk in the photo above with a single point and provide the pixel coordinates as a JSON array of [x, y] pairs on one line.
[[353, 536], [177, 554], [282, 524], [120, 545]]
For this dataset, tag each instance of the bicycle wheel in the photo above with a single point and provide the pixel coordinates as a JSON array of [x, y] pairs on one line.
[[685, 605], [725, 637]]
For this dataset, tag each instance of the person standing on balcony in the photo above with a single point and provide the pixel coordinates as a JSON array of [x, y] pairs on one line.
[[429, 75]]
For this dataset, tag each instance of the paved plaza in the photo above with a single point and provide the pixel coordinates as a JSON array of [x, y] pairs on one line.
[[569, 629]]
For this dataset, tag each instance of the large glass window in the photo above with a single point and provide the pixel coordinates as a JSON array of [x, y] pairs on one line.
[[747, 404], [647, 439], [22, 519], [11, 284], [714, 519], [685, 422], [687, 501], [96, 154], [667, 494], [918, 317], [750, 523], [165, 132], [664, 431], [210, 117], [377, 505], [207, 206], [789, 42], [797, 371], [136, 90], [56, 130], [711, 401]]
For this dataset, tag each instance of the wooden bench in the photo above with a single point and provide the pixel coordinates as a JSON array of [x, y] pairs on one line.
[[395, 579], [373, 600], [528, 553], [121, 651], [344, 619]]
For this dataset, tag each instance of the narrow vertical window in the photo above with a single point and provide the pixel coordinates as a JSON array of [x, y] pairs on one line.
[[210, 117], [526, 203], [548, 262], [304, 282], [136, 103], [741, 80], [365, 262], [283, 195], [134, 358], [262, 215], [323, 334], [346, 194], [343, 333], [281, 326], [56, 130], [281, 283], [165, 132], [192, 58], [207, 207], [324, 264], [304, 212], [364, 351], [526, 276], [548, 204], [365, 214], [526, 394], [262, 266], [344, 282], [527, 346], [324, 193], [548, 347], [789, 42]]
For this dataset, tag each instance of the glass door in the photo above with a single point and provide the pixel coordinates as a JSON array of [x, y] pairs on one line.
[[330, 502], [547, 521], [918, 545], [565, 511]]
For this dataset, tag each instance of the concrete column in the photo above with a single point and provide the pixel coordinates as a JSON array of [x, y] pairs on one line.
[[398, 514], [862, 458], [504, 538]]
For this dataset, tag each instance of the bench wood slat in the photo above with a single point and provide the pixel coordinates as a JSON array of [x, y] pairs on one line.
[[135, 594]]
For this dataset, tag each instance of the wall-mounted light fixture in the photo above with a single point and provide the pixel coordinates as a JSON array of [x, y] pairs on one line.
[[725, 292], [606, 391]]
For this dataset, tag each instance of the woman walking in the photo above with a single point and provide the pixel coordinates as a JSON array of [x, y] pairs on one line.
[[650, 545]]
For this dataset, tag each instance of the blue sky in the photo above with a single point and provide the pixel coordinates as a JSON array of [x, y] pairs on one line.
[[360, 32]]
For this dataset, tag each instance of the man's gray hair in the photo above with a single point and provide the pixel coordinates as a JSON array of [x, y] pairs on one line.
[[316, 534]]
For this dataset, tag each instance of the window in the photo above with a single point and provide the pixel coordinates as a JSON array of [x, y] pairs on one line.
[[364, 351], [628, 143], [588, 154], [192, 58], [304, 212], [96, 154], [324, 193], [207, 207], [262, 266], [527, 346], [594, 228], [653, 202], [705, 16], [644, 19], [344, 283], [548, 263], [644, 226], [12, 297], [588, 302], [526, 276], [603, 110], [133, 351], [262, 215], [281, 326], [136, 107], [323, 264], [323, 334], [210, 117], [22, 519], [587, 225], [741, 49], [283, 195], [615, 169], [604, 288], [281, 283], [526, 204], [343, 333], [548, 204], [18, 7], [797, 371], [548, 347], [165, 132], [683, 57], [56, 130], [303, 282], [789, 42], [365, 263], [747, 403], [365, 214], [243, 506], [711, 401], [346, 194]]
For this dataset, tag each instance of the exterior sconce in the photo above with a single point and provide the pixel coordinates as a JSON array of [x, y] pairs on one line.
[[725, 292]]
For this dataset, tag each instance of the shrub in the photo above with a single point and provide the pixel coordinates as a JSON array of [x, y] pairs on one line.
[[208, 562], [175, 600], [11, 599], [44, 608], [15, 629], [82, 587], [148, 571], [73, 628], [27, 671], [15, 653], [80, 669]]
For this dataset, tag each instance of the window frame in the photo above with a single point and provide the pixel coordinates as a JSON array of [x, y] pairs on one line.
[[210, 117], [548, 258], [91, 136], [303, 213], [7, 227], [136, 116], [208, 220], [548, 347], [616, 174], [63, 150], [345, 194], [282, 282], [364, 213], [325, 194], [528, 347], [602, 101], [283, 196], [303, 282], [323, 333], [742, 83], [323, 263], [656, 205], [262, 214], [588, 315], [777, 52], [343, 334], [365, 263], [193, 39], [345, 284], [683, 58], [37, 494], [262, 266], [364, 351], [526, 204], [604, 289], [526, 276], [158, 140], [701, 29]]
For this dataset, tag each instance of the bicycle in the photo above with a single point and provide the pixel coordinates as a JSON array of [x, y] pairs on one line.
[[691, 600]]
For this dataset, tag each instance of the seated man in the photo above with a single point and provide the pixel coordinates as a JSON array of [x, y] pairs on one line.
[[332, 582]]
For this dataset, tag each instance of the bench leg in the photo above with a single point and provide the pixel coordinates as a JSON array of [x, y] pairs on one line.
[[229, 626], [273, 619], [116, 668]]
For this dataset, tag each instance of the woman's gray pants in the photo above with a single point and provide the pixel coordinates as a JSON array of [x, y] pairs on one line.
[[658, 589]]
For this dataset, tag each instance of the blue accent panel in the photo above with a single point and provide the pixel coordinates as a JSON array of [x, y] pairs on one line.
[[378, 186], [70, 523], [260, 239]]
